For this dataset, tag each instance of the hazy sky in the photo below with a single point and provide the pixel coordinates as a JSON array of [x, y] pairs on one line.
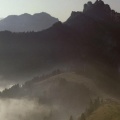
[[57, 8]]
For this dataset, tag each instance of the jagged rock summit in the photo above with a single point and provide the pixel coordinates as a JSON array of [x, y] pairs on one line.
[[97, 22], [101, 10], [98, 11], [98, 4], [93, 15]]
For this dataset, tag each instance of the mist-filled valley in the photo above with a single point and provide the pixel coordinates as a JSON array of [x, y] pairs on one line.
[[12, 109], [52, 70]]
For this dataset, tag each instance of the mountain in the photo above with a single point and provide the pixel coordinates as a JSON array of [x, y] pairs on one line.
[[85, 43], [54, 84], [85, 47], [27, 22], [71, 91], [65, 94]]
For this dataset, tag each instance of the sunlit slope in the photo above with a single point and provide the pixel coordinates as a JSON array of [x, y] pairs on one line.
[[109, 111], [64, 85], [71, 91], [75, 78]]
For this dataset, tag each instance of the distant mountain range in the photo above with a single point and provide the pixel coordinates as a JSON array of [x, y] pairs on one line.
[[27, 22]]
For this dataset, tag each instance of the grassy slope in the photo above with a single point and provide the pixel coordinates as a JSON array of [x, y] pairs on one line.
[[109, 111], [73, 77]]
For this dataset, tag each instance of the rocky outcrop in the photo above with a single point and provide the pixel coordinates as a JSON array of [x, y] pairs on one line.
[[100, 9], [99, 4]]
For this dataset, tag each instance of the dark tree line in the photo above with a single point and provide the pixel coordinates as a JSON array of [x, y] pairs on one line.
[[94, 104]]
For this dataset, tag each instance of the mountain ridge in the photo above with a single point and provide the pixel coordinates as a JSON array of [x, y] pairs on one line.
[[27, 22], [81, 39]]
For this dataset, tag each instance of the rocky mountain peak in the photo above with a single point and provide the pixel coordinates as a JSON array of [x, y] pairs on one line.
[[101, 10], [99, 4]]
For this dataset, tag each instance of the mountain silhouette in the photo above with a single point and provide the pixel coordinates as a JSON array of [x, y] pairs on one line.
[[86, 39], [27, 22]]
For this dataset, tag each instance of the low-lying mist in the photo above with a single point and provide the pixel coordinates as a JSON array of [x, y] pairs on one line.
[[24, 109], [32, 109]]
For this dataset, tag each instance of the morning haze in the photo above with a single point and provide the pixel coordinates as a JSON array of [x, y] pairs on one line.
[[58, 8], [52, 70]]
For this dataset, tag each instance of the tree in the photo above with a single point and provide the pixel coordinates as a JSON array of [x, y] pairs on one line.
[[97, 103], [82, 117], [71, 117]]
